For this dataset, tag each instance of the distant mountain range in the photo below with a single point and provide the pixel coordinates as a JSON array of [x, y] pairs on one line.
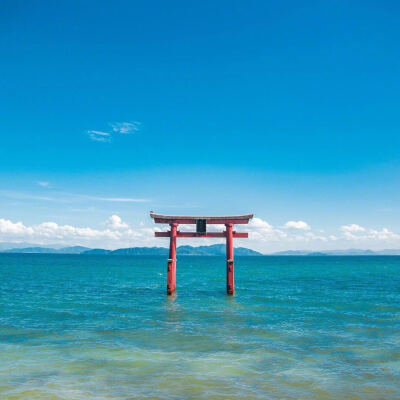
[[213, 250], [47, 250], [21, 245], [347, 252]]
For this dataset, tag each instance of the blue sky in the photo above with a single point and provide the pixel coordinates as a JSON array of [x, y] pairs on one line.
[[285, 109]]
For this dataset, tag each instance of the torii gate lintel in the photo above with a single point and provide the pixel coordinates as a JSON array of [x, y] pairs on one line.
[[201, 232]]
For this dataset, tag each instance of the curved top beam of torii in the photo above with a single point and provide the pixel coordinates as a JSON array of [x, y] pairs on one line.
[[191, 219]]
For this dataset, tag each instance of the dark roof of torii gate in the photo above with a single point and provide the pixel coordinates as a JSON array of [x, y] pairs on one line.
[[191, 219]]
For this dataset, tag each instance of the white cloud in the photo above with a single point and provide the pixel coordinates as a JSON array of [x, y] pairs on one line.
[[115, 222], [259, 225], [43, 183], [18, 228], [358, 233], [294, 232], [383, 234], [297, 225], [261, 230], [124, 128], [262, 235], [116, 234], [99, 136], [313, 236], [352, 228], [50, 230], [299, 235]]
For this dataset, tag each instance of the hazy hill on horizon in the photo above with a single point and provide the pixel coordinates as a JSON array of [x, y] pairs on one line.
[[211, 250], [345, 252], [47, 250]]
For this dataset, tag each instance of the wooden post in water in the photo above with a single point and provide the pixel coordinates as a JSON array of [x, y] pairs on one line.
[[230, 277], [171, 267]]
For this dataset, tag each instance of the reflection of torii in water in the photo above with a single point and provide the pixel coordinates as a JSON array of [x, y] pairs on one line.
[[201, 231]]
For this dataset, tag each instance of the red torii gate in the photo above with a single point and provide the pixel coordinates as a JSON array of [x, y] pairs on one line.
[[201, 223]]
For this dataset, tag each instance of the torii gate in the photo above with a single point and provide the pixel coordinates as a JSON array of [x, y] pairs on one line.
[[201, 231]]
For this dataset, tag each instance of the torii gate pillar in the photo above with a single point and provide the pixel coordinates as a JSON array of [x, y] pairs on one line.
[[230, 276], [201, 231], [171, 267]]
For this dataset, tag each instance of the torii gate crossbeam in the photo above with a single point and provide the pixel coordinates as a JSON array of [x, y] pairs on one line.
[[201, 223]]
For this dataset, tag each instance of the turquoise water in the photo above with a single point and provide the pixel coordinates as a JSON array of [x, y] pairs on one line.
[[101, 327]]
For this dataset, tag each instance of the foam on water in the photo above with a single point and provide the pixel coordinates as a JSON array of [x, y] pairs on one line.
[[101, 327]]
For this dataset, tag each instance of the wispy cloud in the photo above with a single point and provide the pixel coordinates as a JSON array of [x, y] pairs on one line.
[[120, 199], [43, 183], [99, 136], [124, 128], [110, 199], [66, 197], [24, 196]]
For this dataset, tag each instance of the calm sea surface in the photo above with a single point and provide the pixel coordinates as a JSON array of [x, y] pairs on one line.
[[102, 327]]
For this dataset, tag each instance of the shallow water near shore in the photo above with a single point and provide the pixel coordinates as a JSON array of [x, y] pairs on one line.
[[102, 327]]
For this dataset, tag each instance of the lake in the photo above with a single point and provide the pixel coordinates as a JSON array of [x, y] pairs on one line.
[[102, 327]]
